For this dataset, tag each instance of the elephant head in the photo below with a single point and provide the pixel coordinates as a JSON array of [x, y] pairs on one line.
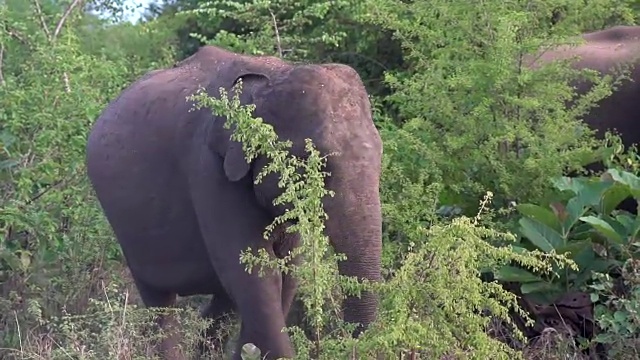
[[329, 105]]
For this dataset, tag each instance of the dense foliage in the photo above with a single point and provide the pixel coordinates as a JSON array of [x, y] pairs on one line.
[[480, 220]]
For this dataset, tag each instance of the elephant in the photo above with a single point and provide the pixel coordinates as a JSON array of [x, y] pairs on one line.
[[180, 197], [603, 51]]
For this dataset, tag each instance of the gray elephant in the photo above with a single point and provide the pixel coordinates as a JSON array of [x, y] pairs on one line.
[[604, 51], [181, 200]]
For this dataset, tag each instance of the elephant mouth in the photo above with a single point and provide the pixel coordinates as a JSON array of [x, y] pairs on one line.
[[283, 241]]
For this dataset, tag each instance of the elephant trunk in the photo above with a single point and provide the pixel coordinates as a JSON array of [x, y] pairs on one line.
[[354, 228]]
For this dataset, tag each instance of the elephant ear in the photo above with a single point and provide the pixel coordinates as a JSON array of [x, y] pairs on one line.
[[235, 163]]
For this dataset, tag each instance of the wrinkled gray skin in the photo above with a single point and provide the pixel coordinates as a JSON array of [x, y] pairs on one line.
[[603, 51], [180, 197]]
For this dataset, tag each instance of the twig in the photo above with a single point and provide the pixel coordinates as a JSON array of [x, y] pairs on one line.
[[1, 62], [41, 17], [64, 17], [16, 35], [275, 28], [15, 315], [67, 86]]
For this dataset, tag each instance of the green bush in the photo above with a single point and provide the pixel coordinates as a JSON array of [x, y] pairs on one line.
[[464, 118], [57, 253], [433, 303]]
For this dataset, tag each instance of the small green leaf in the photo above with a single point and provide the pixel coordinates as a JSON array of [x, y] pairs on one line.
[[542, 236], [620, 316], [542, 215], [516, 274], [603, 228]]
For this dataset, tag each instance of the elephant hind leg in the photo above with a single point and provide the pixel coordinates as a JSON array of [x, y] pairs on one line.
[[169, 347]]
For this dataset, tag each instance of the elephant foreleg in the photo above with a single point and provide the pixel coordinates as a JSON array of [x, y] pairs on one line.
[[289, 286], [169, 347], [282, 247], [216, 310], [231, 220]]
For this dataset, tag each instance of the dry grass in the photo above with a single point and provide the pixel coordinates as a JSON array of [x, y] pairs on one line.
[[552, 345], [102, 317]]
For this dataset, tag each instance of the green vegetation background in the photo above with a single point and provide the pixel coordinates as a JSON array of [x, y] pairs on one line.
[[447, 92]]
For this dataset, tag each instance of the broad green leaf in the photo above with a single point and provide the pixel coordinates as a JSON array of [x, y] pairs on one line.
[[604, 228], [576, 207], [542, 292], [564, 183], [627, 221], [581, 278], [593, 191], [583, 256], [542, 236], [535, 287], [627, 178], [634, 228], [617, 226], [559, 211], [612, 197], [601, 265], [542, 215], [574, 247], [516, 274], [581, 231]]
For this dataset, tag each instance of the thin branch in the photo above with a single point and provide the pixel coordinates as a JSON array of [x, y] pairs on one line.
[[1, 63], [275, 28], [67, 85], [41, 17], [16, 35], [64, 17]]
